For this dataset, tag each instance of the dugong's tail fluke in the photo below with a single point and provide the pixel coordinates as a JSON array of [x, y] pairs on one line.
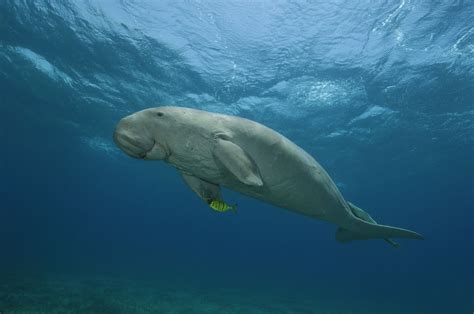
[[363, 227]]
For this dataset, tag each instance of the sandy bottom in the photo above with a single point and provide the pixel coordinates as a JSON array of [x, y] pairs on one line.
[[87, 294], [106, 295]]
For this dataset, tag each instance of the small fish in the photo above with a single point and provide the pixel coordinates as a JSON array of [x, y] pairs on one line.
[[221, 206]]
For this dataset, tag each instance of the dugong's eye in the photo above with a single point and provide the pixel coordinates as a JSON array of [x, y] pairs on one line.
[[159, 114]]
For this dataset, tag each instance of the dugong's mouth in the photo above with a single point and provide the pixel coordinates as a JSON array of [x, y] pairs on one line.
[[133, 147]]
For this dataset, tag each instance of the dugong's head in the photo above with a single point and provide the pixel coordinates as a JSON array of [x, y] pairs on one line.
[[143, 134]]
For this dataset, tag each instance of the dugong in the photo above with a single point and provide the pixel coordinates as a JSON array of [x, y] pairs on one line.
[[211, 150]]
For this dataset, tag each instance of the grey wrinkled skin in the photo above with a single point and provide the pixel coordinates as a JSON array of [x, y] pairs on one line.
[[212, 150]]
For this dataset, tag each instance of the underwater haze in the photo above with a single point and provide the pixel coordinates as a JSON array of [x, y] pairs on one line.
[[380, 93]]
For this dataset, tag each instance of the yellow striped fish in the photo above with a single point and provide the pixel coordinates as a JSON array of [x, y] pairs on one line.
[[221, 206]]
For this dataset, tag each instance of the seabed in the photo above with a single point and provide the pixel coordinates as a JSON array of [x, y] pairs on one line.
[[106, 295], [93, 294]]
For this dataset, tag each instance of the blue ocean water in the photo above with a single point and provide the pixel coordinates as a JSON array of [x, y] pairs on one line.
[[381, 93]]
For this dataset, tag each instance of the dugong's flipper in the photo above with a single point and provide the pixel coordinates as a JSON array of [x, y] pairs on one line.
[[237, 161], [205, 190]]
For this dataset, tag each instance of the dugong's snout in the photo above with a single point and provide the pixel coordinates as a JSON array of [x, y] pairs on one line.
[[132, 139]]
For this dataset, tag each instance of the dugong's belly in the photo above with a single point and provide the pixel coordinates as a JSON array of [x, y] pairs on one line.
[[292, 180], [306, 194]]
